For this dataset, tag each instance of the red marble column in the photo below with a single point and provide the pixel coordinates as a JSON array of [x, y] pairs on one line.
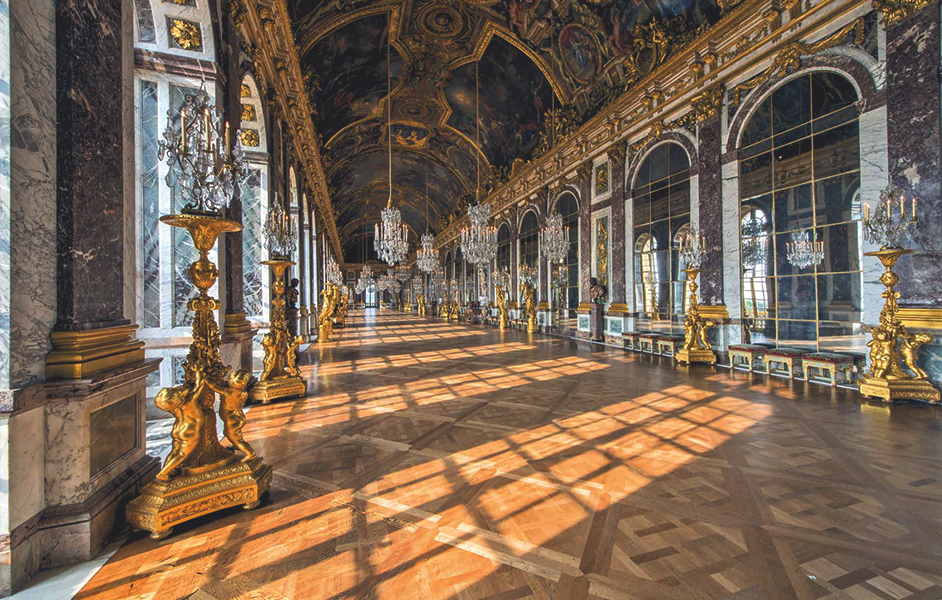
[[711, 209]]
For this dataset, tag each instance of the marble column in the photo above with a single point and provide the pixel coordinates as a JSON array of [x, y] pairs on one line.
[[710, 209], [913, 96]]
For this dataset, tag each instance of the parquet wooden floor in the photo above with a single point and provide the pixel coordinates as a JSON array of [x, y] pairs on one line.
[[434, 460]]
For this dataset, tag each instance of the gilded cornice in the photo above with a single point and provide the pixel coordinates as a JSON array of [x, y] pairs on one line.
[[744, 38], [894, 11], [267, 28]]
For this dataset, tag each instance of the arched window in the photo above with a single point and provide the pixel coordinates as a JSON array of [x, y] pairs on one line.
[[799, 171], [661, 197], [529, 240], [255, 276], [568, 209]]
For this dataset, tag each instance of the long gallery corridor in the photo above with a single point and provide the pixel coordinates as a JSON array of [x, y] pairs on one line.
[[433, 460]]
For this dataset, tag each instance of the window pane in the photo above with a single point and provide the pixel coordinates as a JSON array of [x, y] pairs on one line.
[[680, 198], [793, 208], [836, 151], [841, 247], [791, 104], [843, 337], [659, 159], [755, 175], [830, 92], [758, 297], [835, 197], [798, 334], [793, 164], [796, 297], [839, 297], [678, 159], [759, 126]]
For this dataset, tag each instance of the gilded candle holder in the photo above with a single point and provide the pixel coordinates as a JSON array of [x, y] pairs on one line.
[[280, 376], [891, 344], [696, 348], [201, 476]]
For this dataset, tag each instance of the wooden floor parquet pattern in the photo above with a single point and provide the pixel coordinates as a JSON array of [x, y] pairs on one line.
[[437, 461]]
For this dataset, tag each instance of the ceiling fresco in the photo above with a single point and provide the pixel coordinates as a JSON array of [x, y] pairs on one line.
[[533, 56]]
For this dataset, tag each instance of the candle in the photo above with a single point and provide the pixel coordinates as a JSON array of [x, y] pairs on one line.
[[914, 209], [182, 131], [902, 206], [206, 126], [228, 146], [889, 208], [866, 213]]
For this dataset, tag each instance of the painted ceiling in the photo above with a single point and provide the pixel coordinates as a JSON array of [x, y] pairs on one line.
[[525, 57]]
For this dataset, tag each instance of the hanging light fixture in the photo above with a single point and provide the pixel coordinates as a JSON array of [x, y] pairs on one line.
[[366, 280], [803, 252], [478, 242], [391, 241], [427, 259], [334, 275], [554, 239], [279, 232]]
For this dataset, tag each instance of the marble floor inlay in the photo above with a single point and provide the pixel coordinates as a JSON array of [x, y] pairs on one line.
[[433, 460]]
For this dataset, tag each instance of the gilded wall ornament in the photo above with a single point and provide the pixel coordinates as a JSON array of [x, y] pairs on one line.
[[250, 138], [601, 179], [245, 91], [601, 250], [788, 59], [583, 171], [248, 112], [708, 103], [186, 35], [182, 2], [894, 11]]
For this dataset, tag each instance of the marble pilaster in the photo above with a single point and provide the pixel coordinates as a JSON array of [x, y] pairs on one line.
[[585, 240], [89, 157], [913, 97], [709, 212], [617, 278], [732, 288], [873, 179]]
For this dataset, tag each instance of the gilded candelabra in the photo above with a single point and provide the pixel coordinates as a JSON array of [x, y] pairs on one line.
[[280, 377], [502, 307], [420, 299], [200, 475], [325, 325], [528, 275], [696, 348], [339, 316], [454, 310], [890, 341]]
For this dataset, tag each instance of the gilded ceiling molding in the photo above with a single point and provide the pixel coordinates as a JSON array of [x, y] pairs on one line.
[[266, 28], [788, 59], [894, 11], [719, 54]]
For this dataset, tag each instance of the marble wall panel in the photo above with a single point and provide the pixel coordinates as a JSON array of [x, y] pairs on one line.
[[27, 191], [710, 211], [113, 433], [90, 161], [732, 281], [913, 103], [617, 279], [25, 459], [873, 179]]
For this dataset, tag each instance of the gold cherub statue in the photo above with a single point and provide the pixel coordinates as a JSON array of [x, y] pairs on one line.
[[232, 398]]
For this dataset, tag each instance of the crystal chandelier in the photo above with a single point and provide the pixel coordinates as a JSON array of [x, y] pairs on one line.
[[366, 280], [882, 227], [391, 284], [754, 242], [479, 242], [402, 274], [528, 274], [279, 231], [554, 239], [392, 237], [382, 283], [803, 252], [692, 249], [204, 165], [334, 275], [437, 283], [426, 259]]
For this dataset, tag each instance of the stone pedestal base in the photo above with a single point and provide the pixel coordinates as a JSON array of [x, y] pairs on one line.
[[889, 390], [164, 504], [273, 389], [596, 323], [696, 355]]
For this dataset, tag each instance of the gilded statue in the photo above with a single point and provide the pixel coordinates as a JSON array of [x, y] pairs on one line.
[[269, 361], [291, 356], [502, 306], [233, 395], [420, 299], [527, 291], [908, 348], [325, 327], [183, 402]]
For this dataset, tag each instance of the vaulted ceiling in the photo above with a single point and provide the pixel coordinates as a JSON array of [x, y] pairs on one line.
[[524, 56]]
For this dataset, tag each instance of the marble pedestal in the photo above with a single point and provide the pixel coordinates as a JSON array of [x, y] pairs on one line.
[[90, 456], [597, 323]]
